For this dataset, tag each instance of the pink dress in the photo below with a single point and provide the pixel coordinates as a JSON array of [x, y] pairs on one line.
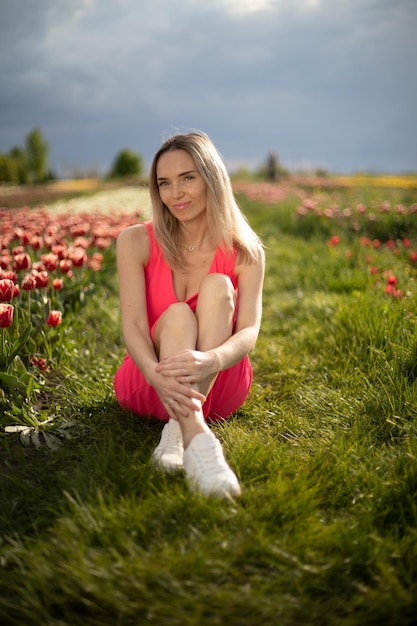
[[231, 387]]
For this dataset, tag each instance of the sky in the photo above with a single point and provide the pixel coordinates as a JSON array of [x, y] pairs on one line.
[[323, 83]]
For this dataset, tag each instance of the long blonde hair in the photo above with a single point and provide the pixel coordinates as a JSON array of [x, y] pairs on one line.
[[228, 226]]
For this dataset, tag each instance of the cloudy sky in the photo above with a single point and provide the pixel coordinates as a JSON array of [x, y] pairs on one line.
[[329, 83]]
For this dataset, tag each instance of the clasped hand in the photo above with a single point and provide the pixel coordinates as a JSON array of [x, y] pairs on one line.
[[180, 373]]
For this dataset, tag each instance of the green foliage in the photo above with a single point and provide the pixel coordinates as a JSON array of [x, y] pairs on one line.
[[37, 155], [126, 164], [22, 166], [325, 448], [13, 168]]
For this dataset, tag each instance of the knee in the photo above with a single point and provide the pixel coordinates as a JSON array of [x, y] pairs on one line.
[[218, 288], [176, 316]]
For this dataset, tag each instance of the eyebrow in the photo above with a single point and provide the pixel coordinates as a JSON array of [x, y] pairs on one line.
[[179, 175]]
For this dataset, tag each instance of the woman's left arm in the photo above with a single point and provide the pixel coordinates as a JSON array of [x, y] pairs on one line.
[[243, 340]]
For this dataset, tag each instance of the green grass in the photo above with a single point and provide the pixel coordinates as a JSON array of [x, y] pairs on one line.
[[325, 447]]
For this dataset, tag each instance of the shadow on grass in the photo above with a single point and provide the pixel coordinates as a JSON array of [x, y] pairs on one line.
[[109, 450]]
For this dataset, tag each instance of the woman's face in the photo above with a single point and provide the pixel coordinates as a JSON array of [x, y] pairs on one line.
[[181, 187]]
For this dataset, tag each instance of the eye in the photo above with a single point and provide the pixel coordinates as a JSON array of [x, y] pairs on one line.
[[163, 183]]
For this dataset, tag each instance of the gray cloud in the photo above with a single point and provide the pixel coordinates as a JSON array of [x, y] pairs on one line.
[[321, 82]]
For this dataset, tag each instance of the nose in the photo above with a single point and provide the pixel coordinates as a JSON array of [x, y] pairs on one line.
[[177, 191]]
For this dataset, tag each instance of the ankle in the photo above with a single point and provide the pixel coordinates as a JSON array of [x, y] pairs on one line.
[[190, 431]]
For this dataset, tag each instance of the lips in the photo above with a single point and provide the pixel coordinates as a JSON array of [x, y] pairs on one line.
[[180, 206]]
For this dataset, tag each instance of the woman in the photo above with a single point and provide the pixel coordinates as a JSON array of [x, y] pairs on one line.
[[191, 301]]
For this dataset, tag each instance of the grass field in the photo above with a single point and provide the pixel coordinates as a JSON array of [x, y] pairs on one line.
[[325, 532]]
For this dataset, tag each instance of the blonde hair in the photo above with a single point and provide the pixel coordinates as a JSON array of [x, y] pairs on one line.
[[228, 226]]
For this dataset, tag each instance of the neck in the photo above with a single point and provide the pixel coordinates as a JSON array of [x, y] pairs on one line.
[[193, 236], [191, 246]]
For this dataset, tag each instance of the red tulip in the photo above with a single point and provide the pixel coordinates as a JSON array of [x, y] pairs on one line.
[[9, 274], [21, 261], [42, 279], [6, 315], [6, 290], [5, 259], [65, 265], [334, 241], [57, 283], [78, 257], [28, 282], [36, 242], [40, 362], [50, 261], [54, 319]]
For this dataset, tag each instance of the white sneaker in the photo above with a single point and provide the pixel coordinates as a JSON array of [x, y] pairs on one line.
[[206, 468], [170, 450]]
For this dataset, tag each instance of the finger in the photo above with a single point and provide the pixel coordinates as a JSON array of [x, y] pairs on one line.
[[164, 366], [185, 404], [187, 378], [179, 408]]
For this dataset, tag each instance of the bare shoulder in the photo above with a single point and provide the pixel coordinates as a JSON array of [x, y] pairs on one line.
[[133, 241], [255, 268]]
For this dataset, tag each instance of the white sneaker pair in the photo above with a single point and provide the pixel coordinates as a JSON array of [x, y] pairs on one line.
[[203, 461]]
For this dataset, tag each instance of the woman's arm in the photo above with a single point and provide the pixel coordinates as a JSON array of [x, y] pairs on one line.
[[133, 251], [249, 316]]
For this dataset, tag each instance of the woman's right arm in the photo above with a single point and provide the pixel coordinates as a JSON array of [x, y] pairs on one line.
[[133, 249]]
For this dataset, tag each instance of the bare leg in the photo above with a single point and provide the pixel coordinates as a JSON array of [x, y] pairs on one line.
[[215, 310], [178, 329]]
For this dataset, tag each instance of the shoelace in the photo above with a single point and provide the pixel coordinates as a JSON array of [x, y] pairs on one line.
[[211, 459], [170, 439]]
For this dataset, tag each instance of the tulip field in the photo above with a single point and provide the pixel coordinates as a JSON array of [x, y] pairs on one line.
[[48, 266], [325, 447]]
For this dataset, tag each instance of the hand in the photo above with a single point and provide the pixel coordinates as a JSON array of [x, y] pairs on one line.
[[187, 367], [177, 397]]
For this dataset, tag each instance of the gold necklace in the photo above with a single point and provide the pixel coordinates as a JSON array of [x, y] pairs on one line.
[[194, 247]]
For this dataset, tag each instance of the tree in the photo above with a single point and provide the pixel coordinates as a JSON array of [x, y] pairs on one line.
[[272, 170], [126, 163], [272, 165], [37, 155], [13, 167]]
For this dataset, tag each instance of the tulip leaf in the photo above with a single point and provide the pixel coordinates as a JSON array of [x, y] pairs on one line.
[[20, 344], [51, 441], [12, 382], [35, 439]]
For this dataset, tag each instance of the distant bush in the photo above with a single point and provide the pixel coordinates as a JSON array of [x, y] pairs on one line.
[[126, 163], [22, 166]]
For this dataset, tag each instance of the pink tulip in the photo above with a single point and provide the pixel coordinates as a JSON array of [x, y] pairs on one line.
[[6, 315], [54, 319], [6, 290]]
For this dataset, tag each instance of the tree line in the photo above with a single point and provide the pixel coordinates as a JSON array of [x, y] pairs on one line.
[[28, 164]]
